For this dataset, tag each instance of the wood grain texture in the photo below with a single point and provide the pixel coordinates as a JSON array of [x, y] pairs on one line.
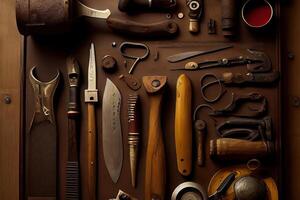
[[91, 151], [183, 125], [155, 175], [10, 48]]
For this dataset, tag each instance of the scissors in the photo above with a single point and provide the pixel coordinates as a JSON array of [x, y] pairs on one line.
[[126, 45]]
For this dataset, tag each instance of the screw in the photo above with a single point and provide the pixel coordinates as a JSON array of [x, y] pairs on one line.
[[114, 44], [295, 101], [180, 15], [7, 100], [155, 83], [168, 15]]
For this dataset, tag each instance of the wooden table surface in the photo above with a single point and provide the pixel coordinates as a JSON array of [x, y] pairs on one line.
[[10, 98]]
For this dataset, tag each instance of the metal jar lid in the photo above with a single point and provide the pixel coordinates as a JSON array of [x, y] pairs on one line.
[[189, 191]]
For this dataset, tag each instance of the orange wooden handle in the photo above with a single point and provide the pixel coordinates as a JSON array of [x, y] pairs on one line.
[[91, 151], [183, 125], [155, 179]]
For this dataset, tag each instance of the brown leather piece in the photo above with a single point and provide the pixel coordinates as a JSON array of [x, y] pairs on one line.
[[50, 54]]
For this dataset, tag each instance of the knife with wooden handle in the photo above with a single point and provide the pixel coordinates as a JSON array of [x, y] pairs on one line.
[[91, 97], [183, 125], [155, 176]]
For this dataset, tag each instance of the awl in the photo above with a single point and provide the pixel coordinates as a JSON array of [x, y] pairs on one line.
[[91, 97]]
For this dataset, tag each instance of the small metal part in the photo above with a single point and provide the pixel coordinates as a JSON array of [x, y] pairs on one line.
[[169, 15], [180, 15], [109, 63], [196, 10], [189, 191], [132, 82], [114, 44], [7, 99], [250, 188], [253, 164], [205, 85], [155, 83], [212, 29], [295, 101], [126, 45]]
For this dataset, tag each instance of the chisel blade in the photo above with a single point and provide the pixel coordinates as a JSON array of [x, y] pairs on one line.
[[111, 133]]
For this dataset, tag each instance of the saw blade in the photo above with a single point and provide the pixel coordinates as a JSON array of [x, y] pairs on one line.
[[112, 133]]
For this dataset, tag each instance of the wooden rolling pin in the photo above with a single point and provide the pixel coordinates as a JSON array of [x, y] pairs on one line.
[[183, 125], [155, 176], [227, 148]]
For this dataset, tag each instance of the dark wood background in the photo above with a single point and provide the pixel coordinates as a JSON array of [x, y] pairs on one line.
[[11, 86]]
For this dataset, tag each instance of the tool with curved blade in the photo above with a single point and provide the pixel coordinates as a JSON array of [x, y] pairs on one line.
[[112, 133]]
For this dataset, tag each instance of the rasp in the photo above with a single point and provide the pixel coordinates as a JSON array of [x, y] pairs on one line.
[[91, 97], [112, 133], [72, 170]]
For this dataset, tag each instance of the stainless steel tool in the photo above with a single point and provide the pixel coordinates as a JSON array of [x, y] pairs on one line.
[[111, 130]]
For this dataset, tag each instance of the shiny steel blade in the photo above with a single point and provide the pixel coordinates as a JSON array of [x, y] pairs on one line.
[[190, 54], [92, 69], [84, 10], [112, 133]]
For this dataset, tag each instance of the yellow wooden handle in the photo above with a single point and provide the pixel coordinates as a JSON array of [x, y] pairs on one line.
[[91, 151], [183, 125]]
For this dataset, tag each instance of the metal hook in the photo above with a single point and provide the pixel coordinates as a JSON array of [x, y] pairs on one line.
[[125, 45], [199, 107]]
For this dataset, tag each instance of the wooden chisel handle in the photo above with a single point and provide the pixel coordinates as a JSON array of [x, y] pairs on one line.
[[155, 176], [183, 125], [200, 129], [160, 29], [91, 151]]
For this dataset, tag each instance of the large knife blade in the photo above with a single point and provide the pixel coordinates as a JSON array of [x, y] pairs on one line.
[[112, 133]]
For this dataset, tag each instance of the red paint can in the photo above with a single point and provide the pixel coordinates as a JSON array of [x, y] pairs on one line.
[[257, 13]]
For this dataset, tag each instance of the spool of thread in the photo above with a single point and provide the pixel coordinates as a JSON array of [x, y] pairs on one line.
[[257, 13]]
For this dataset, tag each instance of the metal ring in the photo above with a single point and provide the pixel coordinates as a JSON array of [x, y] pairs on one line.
[[199, 107], [205, 86], [196, 3], [188, 186]]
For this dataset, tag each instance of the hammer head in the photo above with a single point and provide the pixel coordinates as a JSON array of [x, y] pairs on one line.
[[261, 62]]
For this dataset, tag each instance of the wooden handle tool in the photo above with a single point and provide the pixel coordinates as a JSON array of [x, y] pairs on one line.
[[72, 170], [200, 129], [183, 125], [155, 177], [133, 134], [227, 148]]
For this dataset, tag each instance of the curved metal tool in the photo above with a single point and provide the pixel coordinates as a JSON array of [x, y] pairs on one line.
[[126, 45], [238, 100], [258, 61], [189, 191], [223, 187], [43, 94]]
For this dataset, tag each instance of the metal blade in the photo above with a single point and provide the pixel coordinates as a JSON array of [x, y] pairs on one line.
[[112, 133], [190, 54], [92, 69], [84, 10]]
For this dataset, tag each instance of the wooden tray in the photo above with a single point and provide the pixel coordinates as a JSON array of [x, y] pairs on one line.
[[49, 54]]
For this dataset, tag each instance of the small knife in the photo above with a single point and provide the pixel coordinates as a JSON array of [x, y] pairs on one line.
[[91, 97], [191, 54]]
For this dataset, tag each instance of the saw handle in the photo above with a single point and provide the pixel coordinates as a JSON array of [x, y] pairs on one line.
[[91, 151], [155, 176], [200, 129], [163, 28]]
